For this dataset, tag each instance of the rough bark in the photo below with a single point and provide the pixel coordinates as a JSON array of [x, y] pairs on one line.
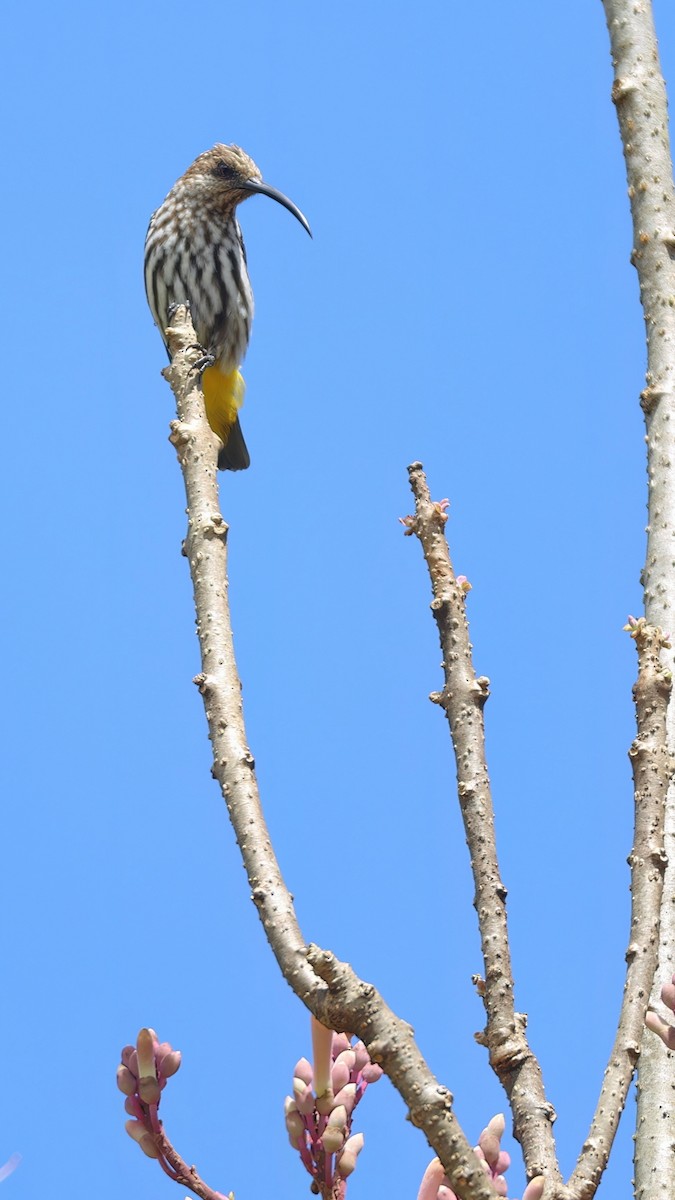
[[329, 988], [463, 698], [640, 97]]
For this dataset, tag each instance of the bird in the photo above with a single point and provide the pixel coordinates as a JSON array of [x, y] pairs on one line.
[[195, 255]]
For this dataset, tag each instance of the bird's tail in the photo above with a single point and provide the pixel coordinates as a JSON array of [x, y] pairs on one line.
[[223, 397], [234, 455]]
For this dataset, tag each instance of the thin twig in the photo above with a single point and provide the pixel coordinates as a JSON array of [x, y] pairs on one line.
[[329, 988], [640, 96], [463, 698], [652, 770], [180, 1171]]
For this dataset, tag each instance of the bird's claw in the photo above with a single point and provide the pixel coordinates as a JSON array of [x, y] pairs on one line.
[[173, 308], [206, 359]]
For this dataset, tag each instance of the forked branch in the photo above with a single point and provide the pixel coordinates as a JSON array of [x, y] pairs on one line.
[[329, 988]]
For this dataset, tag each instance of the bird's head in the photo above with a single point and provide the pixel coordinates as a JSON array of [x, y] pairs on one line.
[[230, 176]]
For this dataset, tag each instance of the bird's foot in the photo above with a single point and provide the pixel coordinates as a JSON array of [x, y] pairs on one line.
[[206, 359], [172, 309]]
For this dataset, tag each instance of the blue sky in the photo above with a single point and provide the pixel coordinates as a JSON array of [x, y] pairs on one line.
[[467, 300]]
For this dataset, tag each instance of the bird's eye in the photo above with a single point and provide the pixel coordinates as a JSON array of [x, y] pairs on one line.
[[224, 171]]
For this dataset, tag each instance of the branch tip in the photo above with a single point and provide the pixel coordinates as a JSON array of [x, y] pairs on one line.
[[463, 698]]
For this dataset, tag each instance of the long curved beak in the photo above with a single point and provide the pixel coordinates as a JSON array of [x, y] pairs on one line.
[[265, 189]]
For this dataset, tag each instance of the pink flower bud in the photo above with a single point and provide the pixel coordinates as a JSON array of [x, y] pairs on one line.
[[295, 1127], [503, 1162], [347, 1160], [346, 1097], [333, 1135], [535, 1188], [495, 1127], [129, 1053], [332, 1140], [341, 1041], [130, 1059], [668, 995], [126, 1082], [338, 1117], [139, 1133], [372, 1072], [666, 1032], [325, 1104], [149, 1089], [135, 1129], [303, 1071], [168, 1061], [431, 1181], [148, 1146], [339, 1076], [348, 1057], [489, 1147], [361, 1056], [656, 1023], [303, 1096]]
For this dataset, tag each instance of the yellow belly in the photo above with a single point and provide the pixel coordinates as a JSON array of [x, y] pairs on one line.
[[223, 397]]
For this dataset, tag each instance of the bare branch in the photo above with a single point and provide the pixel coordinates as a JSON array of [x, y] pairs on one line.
[[463, 698], [330, 989], [233, 765], [652, 770], [640, 97]]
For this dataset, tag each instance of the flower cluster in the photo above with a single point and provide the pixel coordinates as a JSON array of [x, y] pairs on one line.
[[657, 1025], [319, 1113], [436, 1185], [142, 1076]]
